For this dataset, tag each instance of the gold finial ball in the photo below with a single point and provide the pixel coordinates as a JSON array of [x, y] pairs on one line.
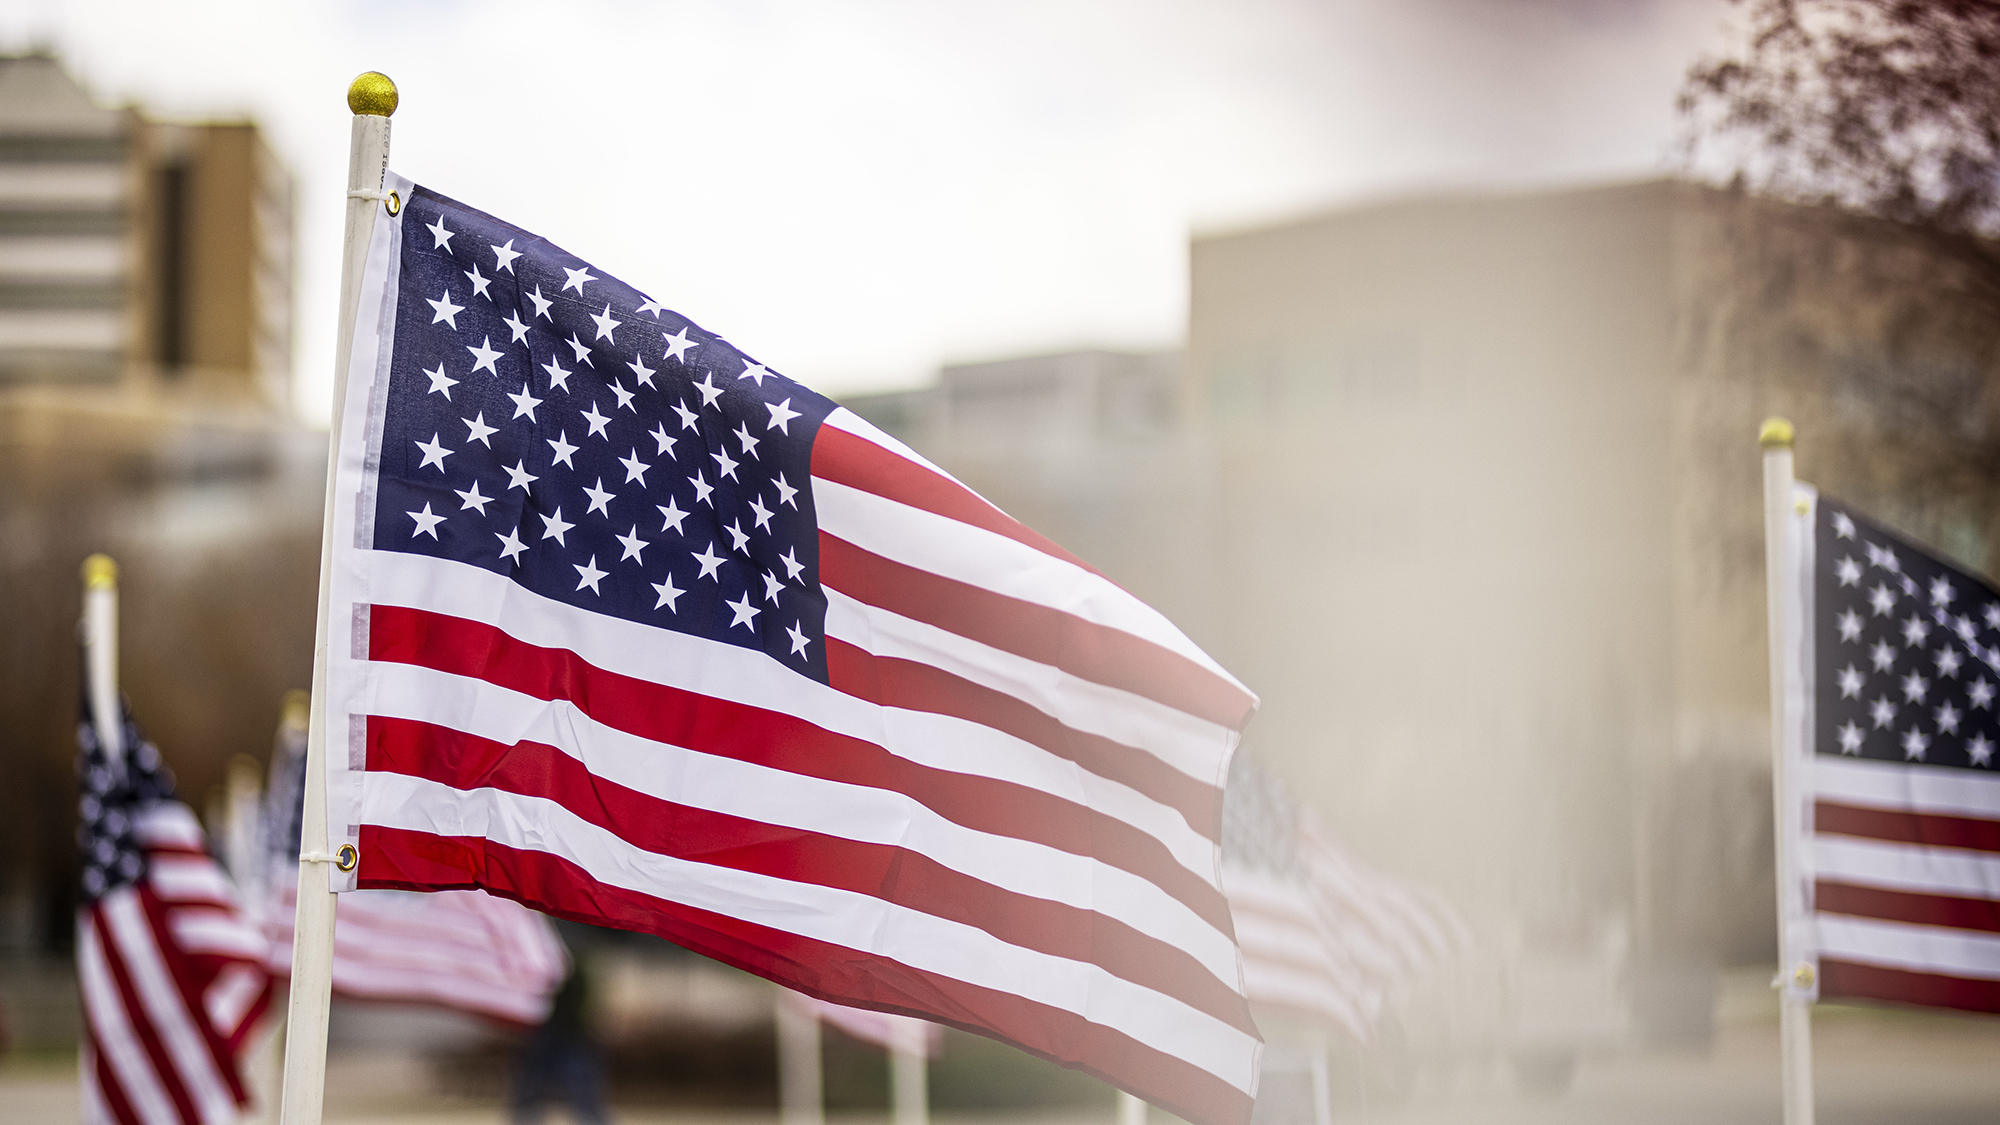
[[298, 709], [372, 95], [100, 573], [1775, 433]]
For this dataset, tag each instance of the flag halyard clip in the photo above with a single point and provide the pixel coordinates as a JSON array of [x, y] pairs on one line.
[[390, 199], [345, 858]]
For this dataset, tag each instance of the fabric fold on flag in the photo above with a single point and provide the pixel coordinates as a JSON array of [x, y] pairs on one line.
[[645, 634], [170, 967]]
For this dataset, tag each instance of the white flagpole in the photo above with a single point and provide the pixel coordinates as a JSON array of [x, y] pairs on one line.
[[1795, 974], [1131, 1109], [100, 657], [372, 98], [801, 1093], [909, 1085]]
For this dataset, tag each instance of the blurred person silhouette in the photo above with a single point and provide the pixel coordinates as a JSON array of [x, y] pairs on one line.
[[560, 1059]]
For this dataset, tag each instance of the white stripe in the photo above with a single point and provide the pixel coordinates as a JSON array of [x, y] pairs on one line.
[[1282, 987], [860, 922], [94, 1110], [230, 996], [844, 419], [1907, 867], [1182, 741], [742, 675], [188, 878], [991, 561], [1903, 945], [168, 824], [111, 1027], [138, 949], [221, 933], [773, 796], [1913, 788]]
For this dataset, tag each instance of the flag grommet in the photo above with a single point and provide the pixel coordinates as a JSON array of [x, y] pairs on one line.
[[346, 858], [394, 203]]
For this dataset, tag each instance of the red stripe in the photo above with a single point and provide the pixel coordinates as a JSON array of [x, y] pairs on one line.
[[1908, 906], [1903, 826], [856, 462], [1094, 652], [1845, 980], [140, 1018], [419, 861], [191, 976], [914, 686], [109, 1091], [893, 874], [751, 734]]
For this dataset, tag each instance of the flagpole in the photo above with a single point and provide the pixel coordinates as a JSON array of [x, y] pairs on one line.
[[909, 1078], [801, 1091], [372, 98], [100, 657], [1794, 981]]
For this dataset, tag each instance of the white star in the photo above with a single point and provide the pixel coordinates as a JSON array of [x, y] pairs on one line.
[[606, 323], [1884, 656], [641, 371], [673, 516], [792, 565], [1882, 711], [560, 444], [701, 489], [799, 638], [633, 545], [505, 255], [754, 372], [440, 237], [597, 422], [555, 527], [749, 443], [635, 469], [669, 594], [737, 539], [709, 391], [666, 444], [558, 378], [426, 522], [726, 462], [581, 349], [589, 575], [677, 345], [515, 327], [1980, 750], [1947, 718], [440, 384], [473, 499], [648, 305], [1981, 693], [687, 416], [772, 587], [786, 492], [1915, 687], [479, 282], [541, 304], [1948, 661], [479, 430], [624, 396], [483, 356], [434, 453], [1843, 526], [781, 417], [1850, 625], [1963, 626], [1915, 742], [576, 279], [746, 614], [1882, 598], [762, 513], [600, 500], [1851, 680], [709, 561], [1850, 738], [1942, 591], [519, 476], [1992, 615], [524, 403], [510, 545], [446, 311], [1848, 571], [1915, 630]]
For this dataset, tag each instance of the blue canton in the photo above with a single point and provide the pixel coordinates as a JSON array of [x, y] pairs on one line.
[[551, 423], [110, 802]]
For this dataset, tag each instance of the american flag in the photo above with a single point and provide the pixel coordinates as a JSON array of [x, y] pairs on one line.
[[171, 970], [1326, 937], [648, 635], [463, 950], [1904, 652]]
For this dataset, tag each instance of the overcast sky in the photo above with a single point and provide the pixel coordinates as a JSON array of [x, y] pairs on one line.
[[856, 191]]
